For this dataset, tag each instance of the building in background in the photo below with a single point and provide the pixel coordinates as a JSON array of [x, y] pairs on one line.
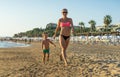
[[51, 26]]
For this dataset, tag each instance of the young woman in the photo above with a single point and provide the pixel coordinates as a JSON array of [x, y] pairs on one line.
[[65, 24]]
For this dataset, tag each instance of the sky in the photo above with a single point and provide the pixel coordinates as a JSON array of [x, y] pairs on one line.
[[23, 15]]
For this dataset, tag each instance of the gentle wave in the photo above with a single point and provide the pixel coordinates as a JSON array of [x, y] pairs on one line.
[[6, 44]]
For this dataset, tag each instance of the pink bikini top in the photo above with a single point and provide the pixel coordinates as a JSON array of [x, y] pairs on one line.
[[65, 24]]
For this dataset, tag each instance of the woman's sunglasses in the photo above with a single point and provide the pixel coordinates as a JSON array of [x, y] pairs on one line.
[[64, 12]]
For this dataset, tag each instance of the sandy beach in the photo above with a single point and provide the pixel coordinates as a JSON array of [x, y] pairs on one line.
[[83, 61]]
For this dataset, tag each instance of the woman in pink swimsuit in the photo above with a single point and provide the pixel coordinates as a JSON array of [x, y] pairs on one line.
[[65, 24]]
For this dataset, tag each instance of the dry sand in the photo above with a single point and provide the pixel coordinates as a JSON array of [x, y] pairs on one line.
[[83, 61]]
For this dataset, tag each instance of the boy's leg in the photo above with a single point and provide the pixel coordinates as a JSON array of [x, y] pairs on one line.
[[47, 56], [44, 55]]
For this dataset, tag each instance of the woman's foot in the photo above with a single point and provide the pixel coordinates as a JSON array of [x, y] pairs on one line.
[[66, 64]]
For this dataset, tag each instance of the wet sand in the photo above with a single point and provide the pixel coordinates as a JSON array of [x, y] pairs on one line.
[[83, 61]]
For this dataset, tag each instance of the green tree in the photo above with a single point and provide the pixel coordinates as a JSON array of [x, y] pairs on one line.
[[36, 32], [21, 34], [107, 21], [29, 33], [16, 35], [87, 29], [82, 27], [92, 27], [50, 26]]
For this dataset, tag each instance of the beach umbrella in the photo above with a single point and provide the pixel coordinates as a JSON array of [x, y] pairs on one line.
[[118, 37], [105, 37], [110, 36], [82, 37], [91, 37], [98, 37]]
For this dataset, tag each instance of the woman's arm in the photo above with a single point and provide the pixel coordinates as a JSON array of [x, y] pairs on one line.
[[72, 25], [57, 29], [52, 43]]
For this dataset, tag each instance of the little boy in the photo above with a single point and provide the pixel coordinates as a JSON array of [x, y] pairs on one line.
[[45, 46]]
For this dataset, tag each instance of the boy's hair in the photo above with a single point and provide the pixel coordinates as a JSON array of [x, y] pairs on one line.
[[45, 33]]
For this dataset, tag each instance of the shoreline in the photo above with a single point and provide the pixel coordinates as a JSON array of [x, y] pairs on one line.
[[11, 44]]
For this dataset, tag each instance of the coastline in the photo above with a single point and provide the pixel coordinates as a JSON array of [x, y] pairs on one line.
[[12, 44], [83, 60]]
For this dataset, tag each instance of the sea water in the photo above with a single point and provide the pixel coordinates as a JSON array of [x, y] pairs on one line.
[[8, 44]]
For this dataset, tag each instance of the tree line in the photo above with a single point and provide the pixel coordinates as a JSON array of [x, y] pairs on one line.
[[107, 20], [37, 32]]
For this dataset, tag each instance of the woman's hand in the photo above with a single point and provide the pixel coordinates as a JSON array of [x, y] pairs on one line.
[[72, 30], [54, 36]]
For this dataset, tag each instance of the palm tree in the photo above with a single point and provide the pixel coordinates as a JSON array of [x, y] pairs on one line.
[[92, 23], [82, 27], [107, 21]]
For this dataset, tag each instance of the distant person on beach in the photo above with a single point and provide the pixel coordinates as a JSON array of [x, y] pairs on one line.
[[65, 24], [45, 47]]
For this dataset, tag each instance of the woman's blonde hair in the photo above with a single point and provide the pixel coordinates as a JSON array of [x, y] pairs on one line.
[[64, 9]]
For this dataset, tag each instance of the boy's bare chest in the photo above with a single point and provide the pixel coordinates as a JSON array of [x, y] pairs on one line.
[[46, 42]]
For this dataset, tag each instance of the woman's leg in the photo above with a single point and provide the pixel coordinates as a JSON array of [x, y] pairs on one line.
[[63, 47], [67, 42]]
